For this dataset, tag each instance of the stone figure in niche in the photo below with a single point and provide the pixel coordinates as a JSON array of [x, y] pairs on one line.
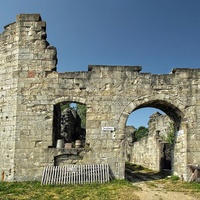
[[71, 129]]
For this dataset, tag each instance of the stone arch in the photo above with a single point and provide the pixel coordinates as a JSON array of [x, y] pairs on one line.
[[172, 106], [69, 99]]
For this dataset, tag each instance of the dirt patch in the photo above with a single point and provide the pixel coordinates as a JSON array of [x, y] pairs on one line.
[[155, 186], [158, 192]]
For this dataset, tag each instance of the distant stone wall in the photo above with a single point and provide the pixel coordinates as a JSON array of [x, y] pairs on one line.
[[148, 151], [30, 89]]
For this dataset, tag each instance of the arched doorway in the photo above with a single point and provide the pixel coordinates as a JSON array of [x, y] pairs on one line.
[[150, 139], [173, 108]]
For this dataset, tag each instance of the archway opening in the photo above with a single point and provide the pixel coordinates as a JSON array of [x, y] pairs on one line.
[[69, 125], [150, 135]]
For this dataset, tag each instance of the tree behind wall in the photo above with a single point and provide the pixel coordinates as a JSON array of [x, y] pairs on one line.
[[141, 132], [81, 110]]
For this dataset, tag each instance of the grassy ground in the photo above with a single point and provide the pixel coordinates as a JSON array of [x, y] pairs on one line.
[[33, 190], [157, 180], [114, 190]]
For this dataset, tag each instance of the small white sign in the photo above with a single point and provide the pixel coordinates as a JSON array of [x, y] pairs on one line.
[[108, 128]]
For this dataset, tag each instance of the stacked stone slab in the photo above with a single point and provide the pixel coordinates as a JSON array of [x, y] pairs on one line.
[[31, 88]]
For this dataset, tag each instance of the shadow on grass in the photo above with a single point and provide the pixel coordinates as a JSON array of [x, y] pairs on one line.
[[137, 173]]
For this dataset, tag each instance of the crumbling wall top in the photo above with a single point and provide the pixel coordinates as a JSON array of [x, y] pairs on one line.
[[25, 18], [29, 17], [115, 68]]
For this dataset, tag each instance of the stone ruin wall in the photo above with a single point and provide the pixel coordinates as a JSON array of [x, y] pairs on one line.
[[25, 59], [30, 88], [147, 151]]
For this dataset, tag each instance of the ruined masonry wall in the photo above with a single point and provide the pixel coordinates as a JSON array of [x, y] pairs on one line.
[[30, 87], [8, 98], [147, 151], [25, 59]]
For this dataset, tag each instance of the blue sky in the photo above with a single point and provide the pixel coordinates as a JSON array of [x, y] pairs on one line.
[[156, 34]]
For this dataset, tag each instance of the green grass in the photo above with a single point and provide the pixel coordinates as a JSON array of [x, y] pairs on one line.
[[138, 168], [174, 178], [173, 184], [117, 189]]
